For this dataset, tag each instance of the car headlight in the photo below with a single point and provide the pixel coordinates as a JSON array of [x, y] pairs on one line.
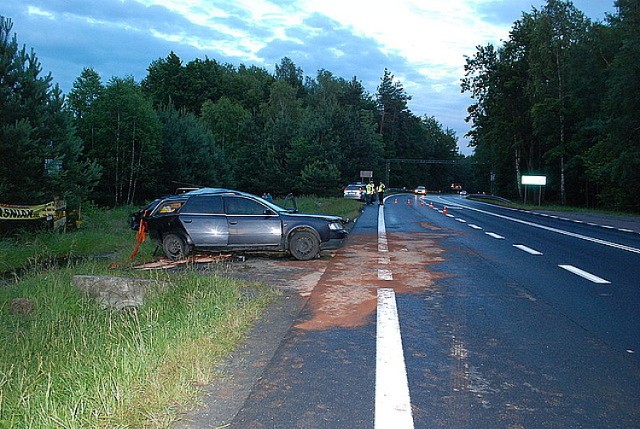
[[335, 226]]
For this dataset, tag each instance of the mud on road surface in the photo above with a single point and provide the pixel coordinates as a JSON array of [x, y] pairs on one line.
[[338, 289]]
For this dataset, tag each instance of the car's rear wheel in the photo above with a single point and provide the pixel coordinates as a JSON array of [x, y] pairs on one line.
[[175, 247], [304, 245]]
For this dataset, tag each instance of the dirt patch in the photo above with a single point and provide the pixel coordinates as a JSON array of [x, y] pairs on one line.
[[346, 296]]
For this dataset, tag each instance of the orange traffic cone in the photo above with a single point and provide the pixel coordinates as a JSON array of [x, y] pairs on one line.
[[421, 203], [430, 205], [408, 202], [395, 201], [444, 210]]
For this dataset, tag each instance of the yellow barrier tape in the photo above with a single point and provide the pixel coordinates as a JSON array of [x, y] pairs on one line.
[[23, 212]]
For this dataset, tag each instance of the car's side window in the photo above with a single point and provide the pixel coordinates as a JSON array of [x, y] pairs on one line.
[[203, 204], [170, 207], [243, 206]]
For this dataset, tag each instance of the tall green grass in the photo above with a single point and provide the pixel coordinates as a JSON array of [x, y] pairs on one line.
[[344, 207], [102, 233], [70, 364]]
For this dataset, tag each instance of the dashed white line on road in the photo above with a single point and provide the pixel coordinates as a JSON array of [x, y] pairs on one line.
[[494, 235], [382, 232], [392, 400], [527, 249], [384, 274], [559, 231], [474, 226], [591, 277], [461, 220]]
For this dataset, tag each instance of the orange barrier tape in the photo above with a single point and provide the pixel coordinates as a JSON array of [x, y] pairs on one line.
[[141, 235]]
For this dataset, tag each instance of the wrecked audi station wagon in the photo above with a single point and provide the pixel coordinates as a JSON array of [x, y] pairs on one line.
[[213, 219]]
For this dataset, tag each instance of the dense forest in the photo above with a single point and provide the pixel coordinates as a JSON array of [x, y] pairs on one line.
[[559, 97], [202, 123]]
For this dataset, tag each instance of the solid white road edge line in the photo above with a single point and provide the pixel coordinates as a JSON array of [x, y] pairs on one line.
[[559, 231], [392, 401], [591, 277], [527, 249]]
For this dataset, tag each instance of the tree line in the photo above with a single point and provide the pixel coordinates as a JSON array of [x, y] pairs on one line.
[[201, 123], [560, 97]]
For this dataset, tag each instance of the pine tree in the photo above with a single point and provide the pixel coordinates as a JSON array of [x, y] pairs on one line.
[[41, 154]]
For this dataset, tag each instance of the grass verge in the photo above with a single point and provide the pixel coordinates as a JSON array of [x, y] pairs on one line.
[[343, 207], [67, 363]]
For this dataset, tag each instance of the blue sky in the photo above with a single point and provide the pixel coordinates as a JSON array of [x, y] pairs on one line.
[[422, 42]]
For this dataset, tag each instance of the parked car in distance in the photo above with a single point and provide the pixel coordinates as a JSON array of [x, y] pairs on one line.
[[354, 191], [421, 190], [213, 219], [463, 194]]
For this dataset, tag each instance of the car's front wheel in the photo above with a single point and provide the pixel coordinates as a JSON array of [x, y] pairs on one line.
[[304, 245], [175, 247]]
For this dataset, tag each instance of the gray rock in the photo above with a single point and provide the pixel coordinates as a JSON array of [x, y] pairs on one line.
[[118, 292]]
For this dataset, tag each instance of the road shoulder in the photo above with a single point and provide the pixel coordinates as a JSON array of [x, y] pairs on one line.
[[237, 375]]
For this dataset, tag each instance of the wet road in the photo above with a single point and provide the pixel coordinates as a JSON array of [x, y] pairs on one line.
[[507, 319]]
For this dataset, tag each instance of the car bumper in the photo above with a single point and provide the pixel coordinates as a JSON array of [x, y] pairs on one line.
[[335, 241]]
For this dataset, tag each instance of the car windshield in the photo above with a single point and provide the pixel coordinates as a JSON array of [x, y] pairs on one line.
[[353, 187], [276, 208]]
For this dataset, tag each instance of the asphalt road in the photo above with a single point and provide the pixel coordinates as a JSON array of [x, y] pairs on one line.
[[480, 317]]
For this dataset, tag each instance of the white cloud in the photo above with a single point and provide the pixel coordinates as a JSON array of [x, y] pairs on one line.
[[33, 10]]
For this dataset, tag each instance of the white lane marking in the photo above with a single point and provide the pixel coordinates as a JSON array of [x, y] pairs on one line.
[[559, 231], [450, 215], [393, 403], [461, 220], [527, 249], [384, 274], [383, 245], [608, 226], [474, 226], [591, 277], [494, 235], [625, 230]]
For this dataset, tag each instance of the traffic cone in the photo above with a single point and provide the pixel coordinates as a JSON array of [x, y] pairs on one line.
[[421, 203], [408, 202], [430, 205], [444, 210], [395, 201]]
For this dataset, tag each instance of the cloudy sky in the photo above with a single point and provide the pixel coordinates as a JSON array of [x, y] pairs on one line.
[[422, 42]]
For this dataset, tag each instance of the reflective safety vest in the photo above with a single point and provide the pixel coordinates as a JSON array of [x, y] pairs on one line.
[[381, 187], [370, 188]]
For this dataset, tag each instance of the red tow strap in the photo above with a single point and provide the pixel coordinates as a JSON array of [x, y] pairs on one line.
[[141, 235]]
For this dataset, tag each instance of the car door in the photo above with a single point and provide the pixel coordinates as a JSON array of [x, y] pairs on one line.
[[251, 223], [202, 216]]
